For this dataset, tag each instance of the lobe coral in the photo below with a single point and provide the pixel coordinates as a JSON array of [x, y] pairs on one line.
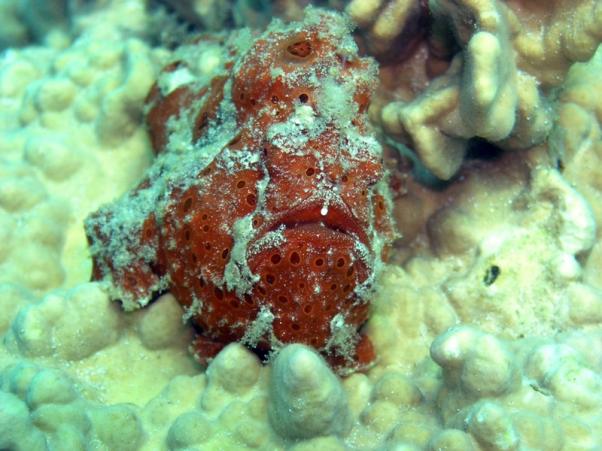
[[267, 211]]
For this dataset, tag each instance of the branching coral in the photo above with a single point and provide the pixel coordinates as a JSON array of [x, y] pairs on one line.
[[393, 28], [483, 93], [493, 87]]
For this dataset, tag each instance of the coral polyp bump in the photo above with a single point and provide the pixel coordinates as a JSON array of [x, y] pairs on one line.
[[266, 212]]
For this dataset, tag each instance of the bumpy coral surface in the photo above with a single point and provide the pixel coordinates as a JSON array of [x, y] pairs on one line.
[[266, 212], [391, 29]]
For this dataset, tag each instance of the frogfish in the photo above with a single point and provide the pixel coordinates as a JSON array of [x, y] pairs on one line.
[[266, 212]]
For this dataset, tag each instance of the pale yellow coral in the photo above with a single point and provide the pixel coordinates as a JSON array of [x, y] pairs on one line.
[[576, 142], [384, 21], [306, 399], [62, 110], [551, 35], [505, 251], [499, 279], [483, 94], [43, 408], [547, 382], [32, 224], [577, 137]]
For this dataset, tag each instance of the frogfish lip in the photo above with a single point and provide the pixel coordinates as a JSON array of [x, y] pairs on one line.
[[335, 217]]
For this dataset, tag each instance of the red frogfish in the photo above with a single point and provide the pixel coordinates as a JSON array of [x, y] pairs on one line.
[[266, 212]]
